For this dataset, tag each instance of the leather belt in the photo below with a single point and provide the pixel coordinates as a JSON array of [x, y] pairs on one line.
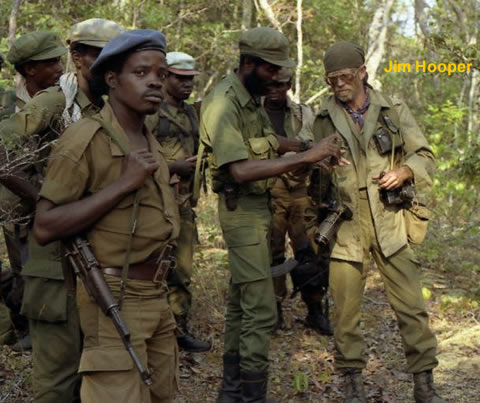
[[155, 270]]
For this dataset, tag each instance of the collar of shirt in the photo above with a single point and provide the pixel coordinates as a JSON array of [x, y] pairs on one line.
[[244, 97], [357, 115]]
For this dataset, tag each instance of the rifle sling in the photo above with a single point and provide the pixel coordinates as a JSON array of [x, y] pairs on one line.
[[133, 218]]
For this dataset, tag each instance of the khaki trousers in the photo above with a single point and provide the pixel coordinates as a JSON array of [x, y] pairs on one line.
[[108, 372], [401, 277]]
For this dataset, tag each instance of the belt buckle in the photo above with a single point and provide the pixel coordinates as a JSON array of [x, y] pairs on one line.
[[165, 261]]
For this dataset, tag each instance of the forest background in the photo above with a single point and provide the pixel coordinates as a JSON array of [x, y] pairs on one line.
[[445, 106]]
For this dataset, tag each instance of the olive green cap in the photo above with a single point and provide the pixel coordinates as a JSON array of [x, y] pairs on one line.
[[267, 44], [343, 55], [35, 46], [94, 32]]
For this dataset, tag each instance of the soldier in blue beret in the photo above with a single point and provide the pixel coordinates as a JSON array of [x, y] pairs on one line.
[[107, 179]]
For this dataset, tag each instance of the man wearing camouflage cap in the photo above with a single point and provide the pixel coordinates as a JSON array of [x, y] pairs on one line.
[[48, 301], [388, 153], [176, 129], [290, 201], [107, 179], [242, 148]]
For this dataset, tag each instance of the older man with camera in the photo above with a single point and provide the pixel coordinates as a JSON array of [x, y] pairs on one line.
[[391, 170]]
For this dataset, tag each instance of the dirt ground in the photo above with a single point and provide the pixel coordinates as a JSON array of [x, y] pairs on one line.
[[301, 360]]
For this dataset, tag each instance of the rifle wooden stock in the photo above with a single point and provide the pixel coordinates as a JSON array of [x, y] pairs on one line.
[[86, 266]]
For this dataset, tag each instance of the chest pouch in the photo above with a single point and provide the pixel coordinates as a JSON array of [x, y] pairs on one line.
[[387, 137]]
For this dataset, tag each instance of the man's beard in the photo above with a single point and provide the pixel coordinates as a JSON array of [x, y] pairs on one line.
[[255, 85]]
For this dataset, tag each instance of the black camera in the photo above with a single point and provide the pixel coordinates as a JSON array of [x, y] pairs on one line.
[[328, 228], [402, 195]]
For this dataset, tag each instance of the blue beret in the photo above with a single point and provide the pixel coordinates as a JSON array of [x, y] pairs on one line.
[[130, 41]]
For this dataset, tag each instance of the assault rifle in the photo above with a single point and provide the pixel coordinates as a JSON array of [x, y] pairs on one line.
[[86, 266]]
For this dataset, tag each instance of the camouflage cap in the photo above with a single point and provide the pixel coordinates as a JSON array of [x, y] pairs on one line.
[[284, 75], [181, 63], [94, 32], [343, 55], [35, 46], [268, 44]]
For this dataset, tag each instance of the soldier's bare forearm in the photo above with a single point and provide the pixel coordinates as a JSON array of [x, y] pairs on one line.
[[253, 170], [53, 222]]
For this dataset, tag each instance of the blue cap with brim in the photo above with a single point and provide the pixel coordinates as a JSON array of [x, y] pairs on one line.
[[130, 41]]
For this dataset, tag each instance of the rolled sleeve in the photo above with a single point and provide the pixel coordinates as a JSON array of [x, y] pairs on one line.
[[419, 156], [221, 121]]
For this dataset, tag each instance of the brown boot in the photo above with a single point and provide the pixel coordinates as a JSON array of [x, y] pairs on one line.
[[424, 389], [353, 384]]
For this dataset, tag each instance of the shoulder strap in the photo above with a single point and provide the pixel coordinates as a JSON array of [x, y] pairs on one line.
[[163, 129], [133, 218], [199, 177], [192, 116]]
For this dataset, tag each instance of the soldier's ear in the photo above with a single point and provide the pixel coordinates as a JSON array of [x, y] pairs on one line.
[[30, 69], [111, 79], [76, 59]]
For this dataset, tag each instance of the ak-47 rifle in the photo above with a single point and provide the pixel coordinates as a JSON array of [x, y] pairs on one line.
[[86, 266]]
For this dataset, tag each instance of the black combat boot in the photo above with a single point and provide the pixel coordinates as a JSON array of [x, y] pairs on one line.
[[353, 385], [231, 390], [316, 319], [424, 389], [254, 387], [186, 341]]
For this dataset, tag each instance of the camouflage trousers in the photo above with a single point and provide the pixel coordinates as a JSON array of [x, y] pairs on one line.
[[288, 212]]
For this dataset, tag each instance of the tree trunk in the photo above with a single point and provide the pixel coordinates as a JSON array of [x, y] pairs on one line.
[[298, 74], [377, 37], [269, 13], [247, 13], [12, 22]]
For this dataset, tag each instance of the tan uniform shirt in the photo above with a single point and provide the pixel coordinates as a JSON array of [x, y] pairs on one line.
[[87, 160]]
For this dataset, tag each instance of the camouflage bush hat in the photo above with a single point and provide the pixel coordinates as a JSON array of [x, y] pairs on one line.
[[343, 55], [35, 46], [130, 41], [268, 44], [94, 32], [181, 63]]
